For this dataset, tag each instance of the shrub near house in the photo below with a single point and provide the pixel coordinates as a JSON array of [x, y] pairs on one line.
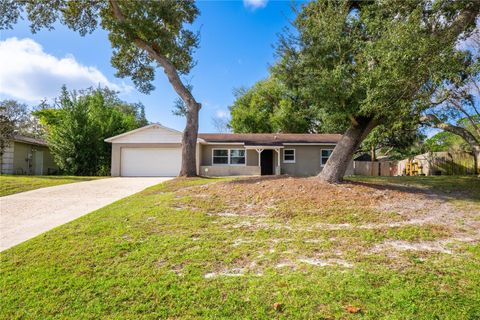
[[77, 125]]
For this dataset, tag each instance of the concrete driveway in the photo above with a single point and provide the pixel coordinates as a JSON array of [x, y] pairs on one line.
[[28, 214]]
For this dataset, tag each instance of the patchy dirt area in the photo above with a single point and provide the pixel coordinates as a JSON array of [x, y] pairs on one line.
[[330, 225]]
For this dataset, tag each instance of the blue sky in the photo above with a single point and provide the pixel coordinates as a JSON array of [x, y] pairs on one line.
[[236, 48]]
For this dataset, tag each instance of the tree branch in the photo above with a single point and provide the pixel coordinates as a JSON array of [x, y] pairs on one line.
[[460, 108], [462, 132], [168, 67]]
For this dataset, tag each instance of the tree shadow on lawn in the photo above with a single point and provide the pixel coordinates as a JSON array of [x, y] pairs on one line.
[[426, 189], [432, 188], [260, 179]]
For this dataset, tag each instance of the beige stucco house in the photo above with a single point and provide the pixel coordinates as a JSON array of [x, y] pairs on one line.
[[155, 150], [25, 155]]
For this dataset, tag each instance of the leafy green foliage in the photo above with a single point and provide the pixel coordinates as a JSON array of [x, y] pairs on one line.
[[370, 59], [269, 106], [377, 59], [398, 141], [8, 109], [15, 118], [446, 141], [78, 123]]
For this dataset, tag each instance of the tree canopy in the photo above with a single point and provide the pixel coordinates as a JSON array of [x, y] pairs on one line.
[[374, 62], [144, 35], [270, 106], [15, 118]]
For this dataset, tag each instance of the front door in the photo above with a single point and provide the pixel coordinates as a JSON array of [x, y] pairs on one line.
[[38, 163], [266, 162]]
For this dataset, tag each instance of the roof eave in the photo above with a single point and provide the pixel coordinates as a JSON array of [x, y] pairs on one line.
[[112, 139]]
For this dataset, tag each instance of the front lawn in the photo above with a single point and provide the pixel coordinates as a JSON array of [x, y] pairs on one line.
[[257, 249], [10, 184]]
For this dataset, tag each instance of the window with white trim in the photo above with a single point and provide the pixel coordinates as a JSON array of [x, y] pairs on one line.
[[237, 156], [325, 154], [228, 156], [289, 156], [220, 156]]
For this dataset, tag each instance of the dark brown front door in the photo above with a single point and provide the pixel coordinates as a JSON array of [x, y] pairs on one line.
[[266, 162]]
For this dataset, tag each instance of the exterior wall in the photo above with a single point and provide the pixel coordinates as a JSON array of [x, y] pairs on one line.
[[117, 147], [49, 165], [307, 160], [198, 152], [21, 152], [218, 171], [151, 134], [21, 157], [7, 160], [206, 154]]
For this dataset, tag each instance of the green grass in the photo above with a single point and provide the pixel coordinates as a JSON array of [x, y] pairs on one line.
[[148, 256], [447, 184], [463, 191], [10, 184]]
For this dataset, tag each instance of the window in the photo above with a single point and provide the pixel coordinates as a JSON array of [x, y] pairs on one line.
[[237, 156], [289, 156], [220, 156], [325, 154], [228, 156]]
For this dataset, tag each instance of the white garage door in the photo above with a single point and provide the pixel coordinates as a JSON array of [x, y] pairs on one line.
[[150, 162]]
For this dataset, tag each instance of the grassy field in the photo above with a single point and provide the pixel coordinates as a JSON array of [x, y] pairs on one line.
[[281, 248], [10, 184]]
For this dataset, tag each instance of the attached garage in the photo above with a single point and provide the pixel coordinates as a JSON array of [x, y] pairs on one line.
[[151, 151], [150, 162]]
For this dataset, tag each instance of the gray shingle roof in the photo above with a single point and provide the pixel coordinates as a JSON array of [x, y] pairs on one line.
[[270, 138]]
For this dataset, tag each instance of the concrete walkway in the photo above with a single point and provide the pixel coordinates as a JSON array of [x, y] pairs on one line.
[[28, 214]]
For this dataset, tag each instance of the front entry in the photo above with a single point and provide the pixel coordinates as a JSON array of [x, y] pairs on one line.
[[266, 162], [38, 169]]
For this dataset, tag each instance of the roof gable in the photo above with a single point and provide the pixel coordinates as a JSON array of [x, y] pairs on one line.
[[152, 133]]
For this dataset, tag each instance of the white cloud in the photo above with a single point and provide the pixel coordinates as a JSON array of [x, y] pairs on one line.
[[28, 73], [222, 114], [255, 4]]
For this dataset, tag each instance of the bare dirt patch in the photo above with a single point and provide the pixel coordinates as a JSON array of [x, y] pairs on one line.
[[330, 225]]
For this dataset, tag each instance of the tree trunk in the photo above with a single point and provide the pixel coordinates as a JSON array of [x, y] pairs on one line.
[[476, 158], [189, 143], [189, 138], [373, 157], [341, 156]]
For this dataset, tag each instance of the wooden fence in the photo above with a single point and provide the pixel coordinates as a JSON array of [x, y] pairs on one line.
[[375, 168], [432, 163]]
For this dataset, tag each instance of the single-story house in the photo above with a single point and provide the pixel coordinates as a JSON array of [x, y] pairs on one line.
[[155, 150], [26, 155]]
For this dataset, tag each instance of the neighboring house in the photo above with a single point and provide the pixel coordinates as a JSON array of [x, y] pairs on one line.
[[25, 155], [155, 150]]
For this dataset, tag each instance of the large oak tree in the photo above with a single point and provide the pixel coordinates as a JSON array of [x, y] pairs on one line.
[[144, 35], [373, 62]]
